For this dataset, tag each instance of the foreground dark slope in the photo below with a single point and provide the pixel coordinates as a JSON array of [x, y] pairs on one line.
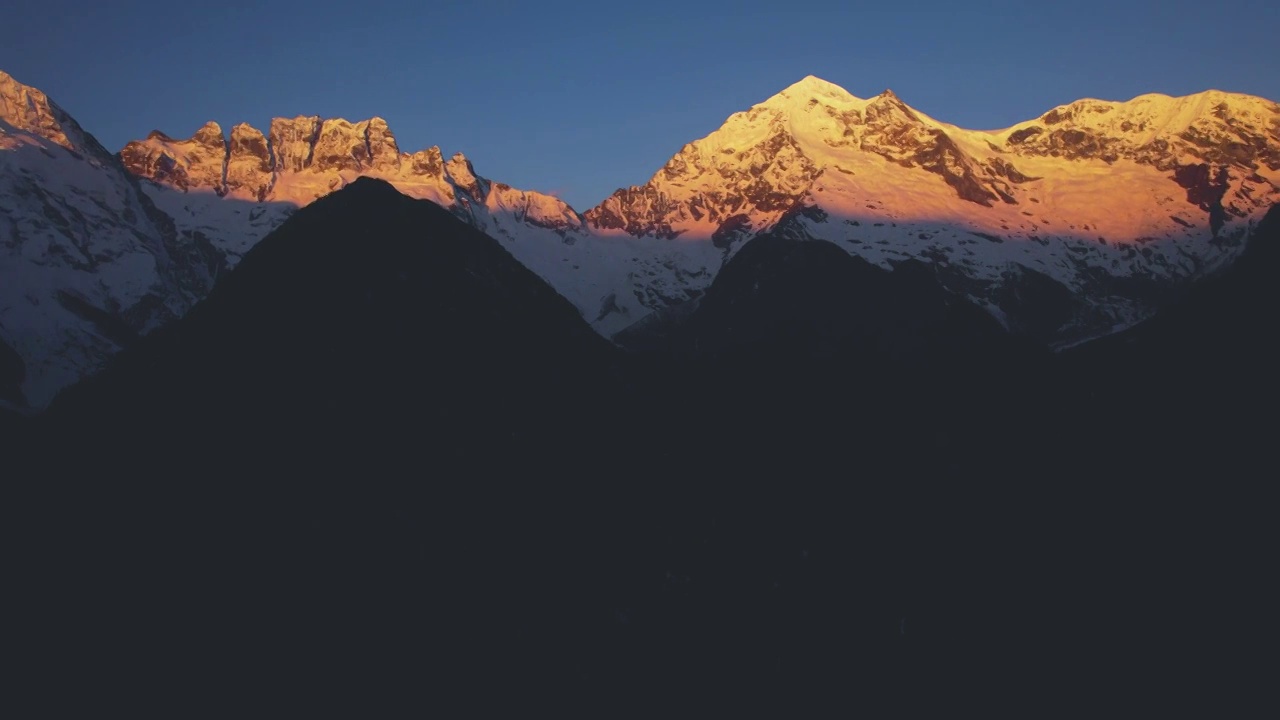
[[368, 322], [1191, 390], [378, 398], [385, 463], [823, 348]]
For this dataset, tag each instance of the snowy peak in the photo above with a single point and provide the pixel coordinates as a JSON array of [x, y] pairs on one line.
[[428, 163], [210, 136], [811, 88], [763, 161], [197, 163], [465, 178], [1098, 199], [1213, 127], [27, 109], [813, 143]]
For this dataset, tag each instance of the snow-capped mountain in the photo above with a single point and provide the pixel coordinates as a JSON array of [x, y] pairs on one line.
[[86, 260], [1066, 226], [613, 281]]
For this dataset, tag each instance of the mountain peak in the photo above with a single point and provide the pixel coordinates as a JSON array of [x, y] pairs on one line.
[[814, 83], [465, 178], [811, 88], [210, 135], [30, 110], [196, 163]]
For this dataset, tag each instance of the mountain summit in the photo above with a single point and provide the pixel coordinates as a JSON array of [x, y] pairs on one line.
[[793, 148], [1106, 205]]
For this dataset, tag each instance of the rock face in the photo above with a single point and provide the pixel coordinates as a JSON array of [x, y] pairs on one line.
[[26, 109], [87, 261], [293, 141], [340, 146], [248, 164], [198, 163], [384, 153]]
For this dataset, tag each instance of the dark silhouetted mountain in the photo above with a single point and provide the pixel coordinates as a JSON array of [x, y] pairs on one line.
[[376, 386], [804, 345], [1188, 387], [368, 313], [384, 463], [12, 371]]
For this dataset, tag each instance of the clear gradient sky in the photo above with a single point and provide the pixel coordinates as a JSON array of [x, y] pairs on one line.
[[579, 98]]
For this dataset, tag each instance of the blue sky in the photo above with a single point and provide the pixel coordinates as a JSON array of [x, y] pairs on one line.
[[580, 98]]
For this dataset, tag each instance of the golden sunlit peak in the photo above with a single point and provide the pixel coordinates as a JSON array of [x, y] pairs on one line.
[[809, 89], [815, 84]]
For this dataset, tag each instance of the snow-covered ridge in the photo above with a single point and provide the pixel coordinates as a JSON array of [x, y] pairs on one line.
[[235, 191], [1113, 201], [304, 158], [763, 160]]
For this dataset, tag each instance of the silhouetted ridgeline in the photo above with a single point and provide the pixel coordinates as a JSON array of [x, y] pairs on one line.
[[383, 462]]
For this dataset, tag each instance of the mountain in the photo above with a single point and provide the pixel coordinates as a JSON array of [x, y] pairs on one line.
[[1065, 227], [373, 354], [364, 304], [1074, 225], [87, 261], [104, 248], [1070, 226], [304, 158]]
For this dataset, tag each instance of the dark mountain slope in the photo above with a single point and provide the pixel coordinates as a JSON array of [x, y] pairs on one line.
[[1094, 516], [11, 374], [1171, 434], [1192, 384], [870, 445], [799, 342], [369, 313], [354, 458]]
